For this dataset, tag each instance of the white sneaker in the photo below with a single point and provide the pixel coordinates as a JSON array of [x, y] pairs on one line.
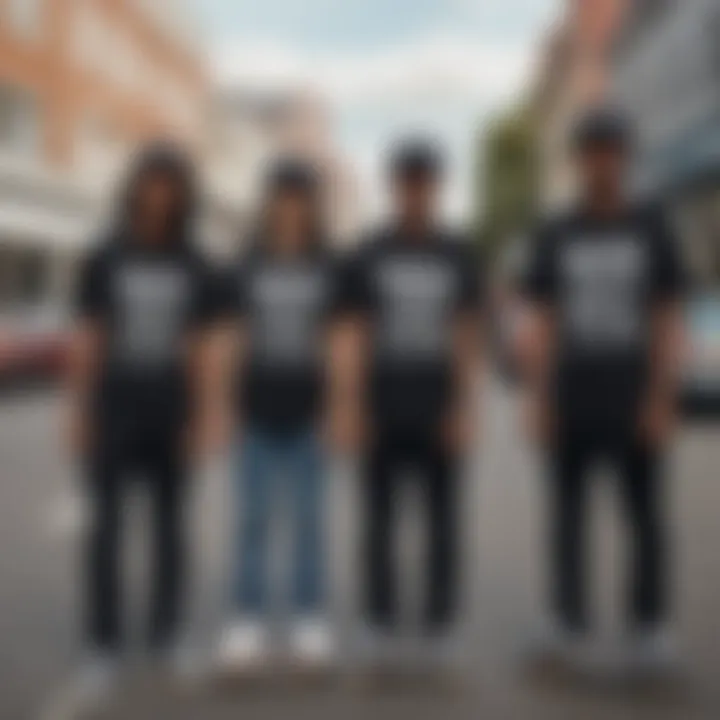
[[444, 650], [89, 691], [377, 646], [652, 651], [312, 642], [244, 645], [182, 663], [553, 642]]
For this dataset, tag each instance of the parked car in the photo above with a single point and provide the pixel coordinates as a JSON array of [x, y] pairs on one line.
[[33, 347], [701, 376]]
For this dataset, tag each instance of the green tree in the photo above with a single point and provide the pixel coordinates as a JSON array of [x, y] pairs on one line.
[[506, 178]]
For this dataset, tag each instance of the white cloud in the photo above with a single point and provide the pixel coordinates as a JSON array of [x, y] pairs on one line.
[[433, 68], [442, 84]]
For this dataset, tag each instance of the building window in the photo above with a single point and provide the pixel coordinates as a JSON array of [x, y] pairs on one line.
[[25, 16], [19, 121], [100, 150]]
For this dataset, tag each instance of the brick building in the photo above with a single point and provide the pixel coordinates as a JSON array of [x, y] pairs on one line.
[[78, 76], [82, 82]]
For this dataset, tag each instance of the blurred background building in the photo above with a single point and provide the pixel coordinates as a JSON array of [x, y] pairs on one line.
[[665, 70], [574, 74], [82, 82], [253, 126]]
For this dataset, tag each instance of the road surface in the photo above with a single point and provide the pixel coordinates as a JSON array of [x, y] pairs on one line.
[[41, 523]]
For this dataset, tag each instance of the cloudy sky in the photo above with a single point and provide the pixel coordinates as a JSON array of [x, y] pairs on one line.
[[387, 66]]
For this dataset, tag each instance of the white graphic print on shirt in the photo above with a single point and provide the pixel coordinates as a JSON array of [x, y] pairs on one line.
[[287, 305], [603, 282], [153, 303], [416, 296]]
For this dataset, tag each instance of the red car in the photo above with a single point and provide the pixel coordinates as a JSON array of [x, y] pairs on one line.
[[33, 347]]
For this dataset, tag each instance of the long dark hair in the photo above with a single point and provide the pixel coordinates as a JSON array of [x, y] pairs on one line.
[[290, 174], [168, 160]]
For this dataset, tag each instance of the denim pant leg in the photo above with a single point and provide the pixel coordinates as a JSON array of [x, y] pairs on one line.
[[306, 478], [254, 479]]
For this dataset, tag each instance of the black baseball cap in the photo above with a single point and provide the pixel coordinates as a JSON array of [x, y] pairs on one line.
[[167, 159], [292, 174], [416, 158], [603, 127]]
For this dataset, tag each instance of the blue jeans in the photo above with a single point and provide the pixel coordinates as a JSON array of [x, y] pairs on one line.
[[270, 470]]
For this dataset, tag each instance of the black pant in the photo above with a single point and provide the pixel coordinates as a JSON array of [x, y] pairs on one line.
[[638, 480], [159, 465], [423, 455]]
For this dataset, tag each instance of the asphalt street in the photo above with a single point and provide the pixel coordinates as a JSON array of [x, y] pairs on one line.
[[42, 518]]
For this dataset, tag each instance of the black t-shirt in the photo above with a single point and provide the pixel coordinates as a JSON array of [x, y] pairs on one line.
[[603, 278], [411, 292], [285, 305], [148, 303]]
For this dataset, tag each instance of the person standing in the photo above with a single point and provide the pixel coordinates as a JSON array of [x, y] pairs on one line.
[[605, 282], [280, 301], [144, 307], [406, 371]]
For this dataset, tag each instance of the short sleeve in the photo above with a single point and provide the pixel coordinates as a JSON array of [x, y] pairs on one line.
[[670, 275], [92, 291], [353, 294], [538, 275]]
